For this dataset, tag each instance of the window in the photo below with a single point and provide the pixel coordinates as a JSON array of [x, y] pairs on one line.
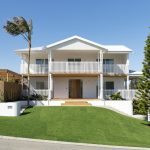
[[74, 59], [109, 85], [108, 66], [39, 85], [41, 61], [108, 61]]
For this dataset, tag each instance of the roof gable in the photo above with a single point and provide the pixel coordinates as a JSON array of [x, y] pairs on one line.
[[75, 43]]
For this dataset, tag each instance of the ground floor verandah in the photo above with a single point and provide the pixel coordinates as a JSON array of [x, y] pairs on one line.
[[80, 87]]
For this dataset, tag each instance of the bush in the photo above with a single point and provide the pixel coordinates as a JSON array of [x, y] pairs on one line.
[[116, 96], [35, 97]]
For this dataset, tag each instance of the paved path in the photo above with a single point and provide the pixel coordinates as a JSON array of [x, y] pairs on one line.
[[10, 143]]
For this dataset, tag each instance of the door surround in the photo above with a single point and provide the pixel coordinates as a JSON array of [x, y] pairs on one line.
[[75, 88]]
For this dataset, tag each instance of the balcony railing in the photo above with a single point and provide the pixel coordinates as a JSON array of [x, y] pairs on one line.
[[125, 94], [43, 92], [115, 68], [75, 67], [34, 69]]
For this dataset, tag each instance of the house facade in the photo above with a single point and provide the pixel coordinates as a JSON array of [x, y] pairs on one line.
[[77, 68]]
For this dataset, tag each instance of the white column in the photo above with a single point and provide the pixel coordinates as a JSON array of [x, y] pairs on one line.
[[127, 72], [101, 86], [22, 83], [101, 75], [128, 87], [98, 87], [49, 77]]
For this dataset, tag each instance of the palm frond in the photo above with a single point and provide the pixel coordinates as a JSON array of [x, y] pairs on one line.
[[12, 28]]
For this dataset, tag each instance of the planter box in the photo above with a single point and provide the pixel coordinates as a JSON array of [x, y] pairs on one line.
[[10, 109]]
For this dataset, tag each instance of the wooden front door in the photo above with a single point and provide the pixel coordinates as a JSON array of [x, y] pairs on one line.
[[75, 88]]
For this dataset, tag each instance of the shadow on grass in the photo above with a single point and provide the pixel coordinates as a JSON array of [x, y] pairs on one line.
[[146, 124], [25, 113]]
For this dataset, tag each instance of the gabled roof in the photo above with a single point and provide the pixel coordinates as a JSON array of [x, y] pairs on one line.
[[75, 39], [79, 39]]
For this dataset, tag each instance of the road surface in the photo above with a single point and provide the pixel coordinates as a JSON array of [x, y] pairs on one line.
[[29, 144]]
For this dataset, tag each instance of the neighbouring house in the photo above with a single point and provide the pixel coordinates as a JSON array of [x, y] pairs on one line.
[[77, 68], [10, 86], [9, 76]]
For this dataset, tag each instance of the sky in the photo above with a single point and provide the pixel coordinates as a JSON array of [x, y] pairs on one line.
[[123, 22]]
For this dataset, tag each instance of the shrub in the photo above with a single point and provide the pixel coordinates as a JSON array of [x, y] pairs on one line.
[[116, 96], [35, 97]]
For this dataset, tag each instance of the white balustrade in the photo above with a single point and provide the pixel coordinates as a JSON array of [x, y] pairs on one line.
[[115, 68], [125, 94], [43, 92], [34, 69], [74, 67]]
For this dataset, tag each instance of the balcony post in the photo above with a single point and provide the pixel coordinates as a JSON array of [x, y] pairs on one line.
[[128, 87], [127, 72], [49, 77], [101, 61], [101, 74], [101, 86], [98, 87]]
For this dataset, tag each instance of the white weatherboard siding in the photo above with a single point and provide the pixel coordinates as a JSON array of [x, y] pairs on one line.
[[64, 55], [77, 45], [61, 86]]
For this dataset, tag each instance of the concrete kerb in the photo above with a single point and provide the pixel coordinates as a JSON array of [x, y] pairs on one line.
[[72, 143]]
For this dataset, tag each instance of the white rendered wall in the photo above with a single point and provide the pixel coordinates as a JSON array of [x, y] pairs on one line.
[[10, 109], [118, 58], [121, 106], [118, 82], [61, 86]]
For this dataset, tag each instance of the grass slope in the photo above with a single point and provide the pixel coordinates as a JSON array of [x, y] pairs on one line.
[[77, 124]]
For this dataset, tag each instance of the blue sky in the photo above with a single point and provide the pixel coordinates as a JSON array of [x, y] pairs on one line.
[[123, 22]]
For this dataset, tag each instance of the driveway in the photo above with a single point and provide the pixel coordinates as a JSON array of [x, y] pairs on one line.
[[10, 143]]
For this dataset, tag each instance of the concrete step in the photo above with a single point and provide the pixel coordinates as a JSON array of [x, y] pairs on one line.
[[76, 103]]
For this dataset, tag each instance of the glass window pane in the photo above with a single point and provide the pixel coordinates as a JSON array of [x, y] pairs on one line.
[[108, 61], [39, 61], [78, 59], [46, 61], [71, 59], [109, 85], [39, 85]]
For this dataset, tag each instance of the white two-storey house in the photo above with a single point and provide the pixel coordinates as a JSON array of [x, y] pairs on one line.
[[77, 68]]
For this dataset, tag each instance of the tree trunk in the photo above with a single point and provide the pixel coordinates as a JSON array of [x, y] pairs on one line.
[[28, 102]]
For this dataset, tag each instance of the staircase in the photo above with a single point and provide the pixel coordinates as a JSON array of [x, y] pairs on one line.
[[75, 103]]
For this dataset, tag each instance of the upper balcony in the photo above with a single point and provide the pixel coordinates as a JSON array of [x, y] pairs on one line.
[[34, 69], [87, 67]]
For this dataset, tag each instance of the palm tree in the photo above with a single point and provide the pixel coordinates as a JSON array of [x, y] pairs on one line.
[[19, 26]]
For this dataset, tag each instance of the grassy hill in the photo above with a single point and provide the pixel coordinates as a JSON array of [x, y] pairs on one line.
[[77, 124]]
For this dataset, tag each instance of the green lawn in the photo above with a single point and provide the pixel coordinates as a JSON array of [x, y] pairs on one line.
[[77, 124]]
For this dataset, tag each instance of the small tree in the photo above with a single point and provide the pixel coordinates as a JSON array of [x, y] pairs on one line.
[[19, 26], [141, 102]]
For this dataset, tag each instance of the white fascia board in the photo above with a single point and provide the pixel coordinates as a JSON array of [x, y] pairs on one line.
[[118, 48], [21, 52], [78, 38]]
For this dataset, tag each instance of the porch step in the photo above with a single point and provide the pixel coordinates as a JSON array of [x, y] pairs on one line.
[[76, 103]]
